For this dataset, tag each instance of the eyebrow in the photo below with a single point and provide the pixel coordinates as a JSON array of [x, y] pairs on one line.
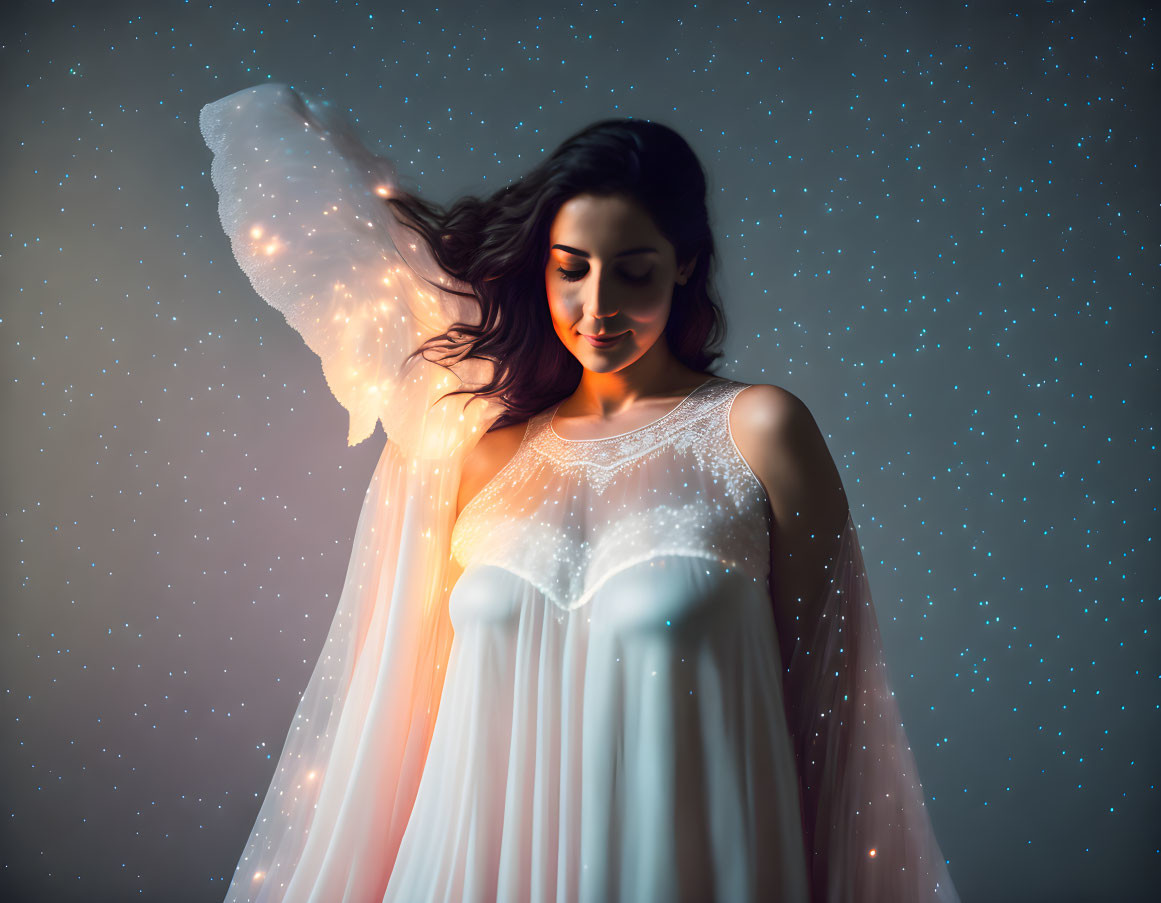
[[585, 254]]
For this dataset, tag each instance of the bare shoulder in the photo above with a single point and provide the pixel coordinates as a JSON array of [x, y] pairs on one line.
[[768, 419], [778, 436], [762, 408], [485, 460]]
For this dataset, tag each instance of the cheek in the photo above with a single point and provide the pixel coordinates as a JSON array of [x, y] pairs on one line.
[[561, 311], [650, 306], [558, 300]]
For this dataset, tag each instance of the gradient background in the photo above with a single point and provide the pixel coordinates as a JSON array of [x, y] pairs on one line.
[[938, 226]]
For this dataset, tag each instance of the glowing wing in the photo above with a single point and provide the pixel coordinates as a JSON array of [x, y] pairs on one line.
[[302, 200]]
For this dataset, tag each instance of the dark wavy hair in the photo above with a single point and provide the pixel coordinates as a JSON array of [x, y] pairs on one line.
[[499, 245]]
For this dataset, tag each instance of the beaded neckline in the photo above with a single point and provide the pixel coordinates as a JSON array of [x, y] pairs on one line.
[[666, 416]]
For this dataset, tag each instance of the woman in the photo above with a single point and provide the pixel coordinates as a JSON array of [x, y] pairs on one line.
[[606, 632]]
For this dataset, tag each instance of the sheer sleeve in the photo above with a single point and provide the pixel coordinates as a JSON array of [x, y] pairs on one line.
[[301, 200], [868, 830]]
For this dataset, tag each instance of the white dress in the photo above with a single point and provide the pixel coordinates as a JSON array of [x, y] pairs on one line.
[[573, 691], [612, 725]]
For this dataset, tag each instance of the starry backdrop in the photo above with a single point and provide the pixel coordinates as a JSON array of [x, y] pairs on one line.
[[937, 226]]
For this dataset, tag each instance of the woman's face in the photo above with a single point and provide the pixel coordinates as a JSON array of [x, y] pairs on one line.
[[609, 271]]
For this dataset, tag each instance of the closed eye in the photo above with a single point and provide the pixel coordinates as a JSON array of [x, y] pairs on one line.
[[574, 275]]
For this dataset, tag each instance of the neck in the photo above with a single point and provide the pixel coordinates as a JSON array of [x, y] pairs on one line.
[[656, 374]]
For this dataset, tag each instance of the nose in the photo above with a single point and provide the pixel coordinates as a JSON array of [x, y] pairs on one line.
[[600, 299]]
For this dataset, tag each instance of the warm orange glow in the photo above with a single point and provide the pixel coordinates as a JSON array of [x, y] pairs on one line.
[[872, 853], [255, 232]]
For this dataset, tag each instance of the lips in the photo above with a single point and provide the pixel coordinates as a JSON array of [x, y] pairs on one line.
[[605, 341]]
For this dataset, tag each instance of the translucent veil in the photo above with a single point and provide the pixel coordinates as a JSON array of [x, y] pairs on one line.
[[869, 835], [301, 199]]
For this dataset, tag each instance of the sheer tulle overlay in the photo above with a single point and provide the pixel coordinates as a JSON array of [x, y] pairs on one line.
[[301, 200], [573, 692], [864, 814]]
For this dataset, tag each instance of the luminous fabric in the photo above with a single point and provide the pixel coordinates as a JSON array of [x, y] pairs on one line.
[[573, 691]]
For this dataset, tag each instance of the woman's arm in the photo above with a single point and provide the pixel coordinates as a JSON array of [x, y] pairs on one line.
[[778, 437]]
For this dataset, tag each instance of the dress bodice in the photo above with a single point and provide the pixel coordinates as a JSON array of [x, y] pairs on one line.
[[568, 515]]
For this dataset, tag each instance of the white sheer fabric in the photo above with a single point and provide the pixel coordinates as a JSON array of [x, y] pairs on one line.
[[301, 200], [576, 693], [612, 726], [864, 815]]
